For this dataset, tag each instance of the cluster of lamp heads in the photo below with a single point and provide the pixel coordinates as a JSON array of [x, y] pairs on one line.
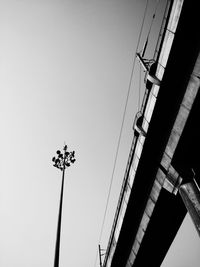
[[64, 160]]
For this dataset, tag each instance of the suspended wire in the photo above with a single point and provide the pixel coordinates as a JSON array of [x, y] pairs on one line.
[[152, 20], [163, 24], [154, 15], [140, 84], [121, 128]]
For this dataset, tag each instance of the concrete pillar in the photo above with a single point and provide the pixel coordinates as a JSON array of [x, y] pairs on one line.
[[190, 194]]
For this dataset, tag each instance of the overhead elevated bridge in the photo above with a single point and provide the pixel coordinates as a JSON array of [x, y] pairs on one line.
[[162, 178]]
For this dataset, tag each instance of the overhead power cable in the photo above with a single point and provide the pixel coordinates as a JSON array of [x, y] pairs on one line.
[[121, 128], [147, 39], [139, 93]]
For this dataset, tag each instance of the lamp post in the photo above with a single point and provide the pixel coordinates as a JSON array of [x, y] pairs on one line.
[[62, 161]]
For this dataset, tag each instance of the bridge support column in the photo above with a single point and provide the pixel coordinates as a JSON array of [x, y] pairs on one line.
[[190, 194], [189, 191]]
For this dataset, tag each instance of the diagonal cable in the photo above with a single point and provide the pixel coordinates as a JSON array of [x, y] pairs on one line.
[[121, 128]]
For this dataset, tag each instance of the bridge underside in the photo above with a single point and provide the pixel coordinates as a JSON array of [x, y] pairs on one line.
[[169, 210]]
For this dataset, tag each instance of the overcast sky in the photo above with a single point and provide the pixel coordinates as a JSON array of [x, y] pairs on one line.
[[65, 68]]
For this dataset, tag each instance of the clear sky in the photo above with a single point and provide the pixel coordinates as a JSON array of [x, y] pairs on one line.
[[65, 68]]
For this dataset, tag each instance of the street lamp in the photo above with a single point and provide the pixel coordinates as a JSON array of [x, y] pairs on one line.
[[62, 161]]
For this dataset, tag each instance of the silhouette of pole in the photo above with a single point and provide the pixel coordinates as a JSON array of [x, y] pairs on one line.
[[61, 162], [100, 256]]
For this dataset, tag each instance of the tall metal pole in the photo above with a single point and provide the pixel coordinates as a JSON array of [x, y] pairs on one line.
[[57, 247], [100, 256], [61, 162]]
